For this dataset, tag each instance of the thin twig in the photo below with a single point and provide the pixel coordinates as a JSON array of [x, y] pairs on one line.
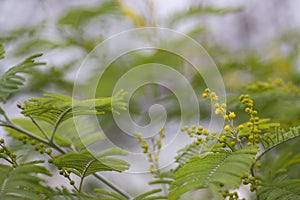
[[58, 122], [112, 186], [39, 127]]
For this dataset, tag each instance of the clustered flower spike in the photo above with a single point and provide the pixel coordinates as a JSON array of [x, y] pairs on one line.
[[253, 123], [270, 84], [153, 150]]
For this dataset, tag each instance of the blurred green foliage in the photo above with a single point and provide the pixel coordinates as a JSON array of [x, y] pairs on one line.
[[268, 74]]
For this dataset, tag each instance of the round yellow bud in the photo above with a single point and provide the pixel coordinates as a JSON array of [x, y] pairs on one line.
[[226, 128], [249, 124], [241, 127], [218, 111], [232, 115], [204, 95], [226, 117], [248, 110]]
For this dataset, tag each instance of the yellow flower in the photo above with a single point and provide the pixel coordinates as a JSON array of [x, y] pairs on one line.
[[241, 127], [226, 117], [204, 95], [248, 110], [213, 96], [249, 124], [200, 128], [207, 90], [226, 128], [218, 111], [232, 115]]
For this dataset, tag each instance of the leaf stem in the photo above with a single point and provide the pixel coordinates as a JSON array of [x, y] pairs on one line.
[[39, 127], [58, 121], [9, 125], [112, 186]]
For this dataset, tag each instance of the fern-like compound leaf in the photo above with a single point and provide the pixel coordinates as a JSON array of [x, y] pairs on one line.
[[107, 195], [56, 108], [65, 194], [11, 81], [201, 171], [185, 153], [84, 164], [22, 182], [149, 195], [287, 190], [271, 140]]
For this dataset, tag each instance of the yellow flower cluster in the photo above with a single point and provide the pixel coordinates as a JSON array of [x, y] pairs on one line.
[[253, 122], [197, 132], [153, 153], [270, 84]]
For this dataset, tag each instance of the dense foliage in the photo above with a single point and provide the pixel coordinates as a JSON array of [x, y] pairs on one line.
[[255, 152]]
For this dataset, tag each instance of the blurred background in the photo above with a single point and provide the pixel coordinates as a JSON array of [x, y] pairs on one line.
[[254, 44]]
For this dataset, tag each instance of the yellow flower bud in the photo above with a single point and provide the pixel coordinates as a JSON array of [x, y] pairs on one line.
[[249, 124], [226, 128], [241, 127], [218, 111], [232, 115]]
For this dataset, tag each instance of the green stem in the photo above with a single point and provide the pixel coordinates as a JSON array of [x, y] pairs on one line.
[[58, 122], [32, 136], [39, 127], [83, 174], [112, 186]]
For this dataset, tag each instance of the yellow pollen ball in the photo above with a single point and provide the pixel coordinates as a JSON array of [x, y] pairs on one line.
[[232, 115], [226, 128]]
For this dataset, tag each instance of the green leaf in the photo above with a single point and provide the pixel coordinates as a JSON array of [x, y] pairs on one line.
[[10, 81], [213, 168], [288, 190], [185, 153], [147, 195], [78, 17], [2, 51], [86, 164], [271, 140], [56, 108], [201, 10], [22, 182], [106, 195], [64, 194]]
